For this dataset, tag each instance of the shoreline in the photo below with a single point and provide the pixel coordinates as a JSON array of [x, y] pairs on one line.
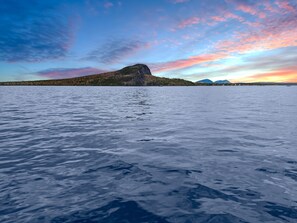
[[194, 85]]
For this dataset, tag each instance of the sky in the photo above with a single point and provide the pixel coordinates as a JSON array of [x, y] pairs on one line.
[[238, 40]]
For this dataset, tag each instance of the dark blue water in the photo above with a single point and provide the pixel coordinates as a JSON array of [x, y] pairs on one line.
[[148, 154]]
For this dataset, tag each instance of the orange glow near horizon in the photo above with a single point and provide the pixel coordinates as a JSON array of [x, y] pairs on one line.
[[286, 76]]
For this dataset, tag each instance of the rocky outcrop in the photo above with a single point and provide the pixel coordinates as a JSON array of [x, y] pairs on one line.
[[137, 72], [140, 69]]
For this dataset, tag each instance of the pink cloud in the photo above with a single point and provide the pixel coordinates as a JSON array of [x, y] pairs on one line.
[[269, 7], [251, 10], [188, 62], [271, 34], [246, 9], [284, 4], [221, 16], [58, 73], [188, 22], [225, 16], [232, 16]]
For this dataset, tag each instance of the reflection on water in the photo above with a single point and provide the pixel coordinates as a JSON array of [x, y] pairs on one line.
[[148, 154]]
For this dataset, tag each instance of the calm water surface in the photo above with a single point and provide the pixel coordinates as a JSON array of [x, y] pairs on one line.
[[148, 154]]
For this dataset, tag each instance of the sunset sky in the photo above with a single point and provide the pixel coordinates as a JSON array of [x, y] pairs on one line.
[[238, 40]]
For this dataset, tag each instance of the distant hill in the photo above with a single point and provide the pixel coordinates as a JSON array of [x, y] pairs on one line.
[[205, 81], [222, 82], [208, 81], [136, 75]]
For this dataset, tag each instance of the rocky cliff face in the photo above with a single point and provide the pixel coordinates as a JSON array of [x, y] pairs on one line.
[[140, 69], [137, 73]]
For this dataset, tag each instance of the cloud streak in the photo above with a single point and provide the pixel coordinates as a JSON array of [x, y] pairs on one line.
[[32, 32], [184, 63], [284, 4], [59, 73], [271, 34], [116, 51], [179, 1], [188, 22]]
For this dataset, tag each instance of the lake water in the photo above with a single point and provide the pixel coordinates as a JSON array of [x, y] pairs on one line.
[[148, 154]]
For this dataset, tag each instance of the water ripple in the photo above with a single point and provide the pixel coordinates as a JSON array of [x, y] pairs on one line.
[[150, 154]]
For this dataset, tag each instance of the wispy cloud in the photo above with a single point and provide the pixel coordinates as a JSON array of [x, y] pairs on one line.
[[285, 4], [273, 33], [248, 7], [31, 31], [208, 19], [184, 63], [116, 51], [225, 15], [250, 10], [179, 1], [58, 73], [108, 5], [188, 22]]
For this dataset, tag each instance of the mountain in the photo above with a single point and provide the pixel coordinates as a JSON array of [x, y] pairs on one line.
[[222, 82], [204, 81], [208, 81], [136, 75]]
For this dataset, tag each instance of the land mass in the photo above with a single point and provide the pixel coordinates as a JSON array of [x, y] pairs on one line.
[[136, 75]]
